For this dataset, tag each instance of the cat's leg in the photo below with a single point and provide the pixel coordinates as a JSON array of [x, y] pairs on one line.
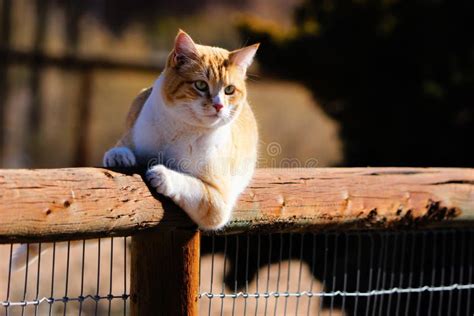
[[208, 205], [119, 157]]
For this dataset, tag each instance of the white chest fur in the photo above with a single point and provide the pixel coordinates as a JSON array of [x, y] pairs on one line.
[[160, 138]]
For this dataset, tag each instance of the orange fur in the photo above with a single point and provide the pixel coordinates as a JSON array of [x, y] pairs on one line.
[[228, 164]]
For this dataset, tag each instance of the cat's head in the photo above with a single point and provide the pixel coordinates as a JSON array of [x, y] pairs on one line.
[[203, 85]]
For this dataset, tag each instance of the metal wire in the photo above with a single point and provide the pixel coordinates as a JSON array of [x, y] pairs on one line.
[[300, 270], [402, 263], [392, 269], [280, 257], [9, 277], [417, 272], [357, 285], [313, 269], [395, 290], [346, 243], [38, 277], [125, 274], [246, 273], [326, 250], [385, 237], [52, 278], [471, 257], [64, 299], [334, 272], [421, 273], [98, 276], [259, 243], [67, 275], [461, 273], [268, 269], [82, 274], [66, 268], [288, 273], [212, 271], [373, 273], [223, 273], [443, 273], [451, 279], [236, 269], [25, 288], [111, 273]]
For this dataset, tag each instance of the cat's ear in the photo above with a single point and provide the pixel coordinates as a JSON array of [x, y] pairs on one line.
[[243, 57], [184, 47]]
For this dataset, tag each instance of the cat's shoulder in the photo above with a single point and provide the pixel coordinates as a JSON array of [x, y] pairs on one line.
[[137, 106], [247, 121]]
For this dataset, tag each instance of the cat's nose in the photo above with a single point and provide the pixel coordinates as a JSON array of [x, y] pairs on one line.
[[218, 106]]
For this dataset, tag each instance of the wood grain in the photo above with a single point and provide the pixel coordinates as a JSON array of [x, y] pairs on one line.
[[355, 198], [76, 203]]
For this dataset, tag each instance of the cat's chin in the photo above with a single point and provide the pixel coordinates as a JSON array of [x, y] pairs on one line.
[[212, 121], [205, 122], [213, 116]]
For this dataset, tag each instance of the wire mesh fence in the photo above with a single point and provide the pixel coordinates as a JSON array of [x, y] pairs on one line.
[[88, 277], [423, 272], [417, 272]]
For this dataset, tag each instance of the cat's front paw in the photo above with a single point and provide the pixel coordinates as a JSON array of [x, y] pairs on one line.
[[159, 178], [119, 157]]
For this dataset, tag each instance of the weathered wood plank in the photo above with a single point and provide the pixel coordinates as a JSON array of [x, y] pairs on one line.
[[48, 204], [355, 198], [77, 202]]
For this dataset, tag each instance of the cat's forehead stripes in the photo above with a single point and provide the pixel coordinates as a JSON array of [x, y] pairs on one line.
[[215, 63], [217, 68]]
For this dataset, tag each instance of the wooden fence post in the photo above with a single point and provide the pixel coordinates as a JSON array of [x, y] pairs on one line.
[[165, 272]]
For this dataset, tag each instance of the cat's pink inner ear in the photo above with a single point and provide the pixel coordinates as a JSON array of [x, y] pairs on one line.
[[184, 45], [243, 57]]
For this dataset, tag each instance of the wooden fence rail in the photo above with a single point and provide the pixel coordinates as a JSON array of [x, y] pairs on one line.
[[78, 203]]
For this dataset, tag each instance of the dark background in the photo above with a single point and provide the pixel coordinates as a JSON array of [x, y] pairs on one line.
[[398, 76]]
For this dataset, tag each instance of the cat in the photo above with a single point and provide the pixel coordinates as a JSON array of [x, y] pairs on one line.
[[195, 131]]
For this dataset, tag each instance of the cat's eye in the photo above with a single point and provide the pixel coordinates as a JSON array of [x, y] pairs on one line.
[[201, 85], [229, 89]]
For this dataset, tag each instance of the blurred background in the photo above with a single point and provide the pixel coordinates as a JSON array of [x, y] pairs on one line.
[[335, 83]]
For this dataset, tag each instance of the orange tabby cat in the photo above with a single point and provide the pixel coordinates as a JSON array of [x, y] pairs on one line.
[[195, 131]]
